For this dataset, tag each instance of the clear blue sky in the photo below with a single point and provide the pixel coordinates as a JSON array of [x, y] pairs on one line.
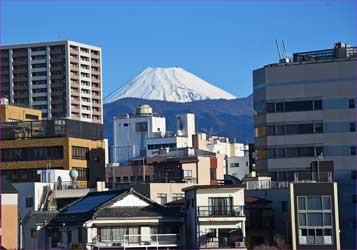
[[220, 42]]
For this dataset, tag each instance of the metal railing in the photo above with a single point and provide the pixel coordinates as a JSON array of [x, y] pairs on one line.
[[65, 185], [138, 240], [312, 177], [220, 211], [223, 242]]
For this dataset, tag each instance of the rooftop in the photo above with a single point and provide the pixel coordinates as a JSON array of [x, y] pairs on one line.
[[212, 187]]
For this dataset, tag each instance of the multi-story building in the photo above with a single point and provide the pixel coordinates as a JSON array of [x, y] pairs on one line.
[[63, 79], [162, 177], [306, 109], [214, 217], [27, 147], [306, 208], [11, 113], [131, 130]]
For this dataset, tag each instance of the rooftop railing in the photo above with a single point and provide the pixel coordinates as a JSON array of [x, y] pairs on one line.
[[312, 177], [221, 243]]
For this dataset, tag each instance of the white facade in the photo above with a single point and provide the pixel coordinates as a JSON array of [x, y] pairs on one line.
[[238, 166], [131, 132], [215, 217]]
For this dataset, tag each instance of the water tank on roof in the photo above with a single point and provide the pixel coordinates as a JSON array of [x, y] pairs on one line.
[[144, 110]]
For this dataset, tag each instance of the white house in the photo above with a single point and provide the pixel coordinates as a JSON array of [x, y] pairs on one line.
[[116, 220], [214, 217]]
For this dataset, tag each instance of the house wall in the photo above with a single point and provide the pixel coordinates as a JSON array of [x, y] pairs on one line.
[[9, 220]]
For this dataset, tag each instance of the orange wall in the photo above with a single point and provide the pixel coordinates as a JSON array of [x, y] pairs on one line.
[[9, 226]]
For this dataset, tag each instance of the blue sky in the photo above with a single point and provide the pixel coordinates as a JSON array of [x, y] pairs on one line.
[[220, 42]]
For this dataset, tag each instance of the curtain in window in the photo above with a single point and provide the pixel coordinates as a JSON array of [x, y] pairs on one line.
[[314, 203], [133, 235], [314, 219], [105, 234]]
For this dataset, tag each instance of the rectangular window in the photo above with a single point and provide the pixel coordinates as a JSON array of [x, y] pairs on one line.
[[80, 153], [177, 196], [353, 127], [284, 206], [314, 219], [354, 174], [298, 106], [187, 173], [353, 150], [314, 203], [29, 202], [162, 198], [141, 127], [31, 154], [301, 203], [351, 103]]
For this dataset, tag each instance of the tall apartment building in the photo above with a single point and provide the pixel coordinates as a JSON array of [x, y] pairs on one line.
[[305, 110], [63, 79]]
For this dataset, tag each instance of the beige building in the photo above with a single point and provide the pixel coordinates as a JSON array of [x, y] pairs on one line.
[[61, 78], [10, 113], [9, 217], [306, 110]]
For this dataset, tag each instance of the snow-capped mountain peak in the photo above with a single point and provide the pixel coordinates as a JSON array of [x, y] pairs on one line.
[[168, 84]]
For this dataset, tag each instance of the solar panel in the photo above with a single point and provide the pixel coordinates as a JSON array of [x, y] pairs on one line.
[[88, 203]]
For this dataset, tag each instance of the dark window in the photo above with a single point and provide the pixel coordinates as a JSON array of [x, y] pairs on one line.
[[147, 178], [29, 202], [31, 117], [280, 153], [353, 127], [318, 128], [32, 154], [280, 130], [351, 103], [354, 174], [279, 107], [125, 124], [298, 106], [354, 198], [271, 130], [317, 104], [82, 173], [284, 206], [132, 178], [141, 127], [125, 179], [117, 179], [80, 153], [353, 150], [270, 107]]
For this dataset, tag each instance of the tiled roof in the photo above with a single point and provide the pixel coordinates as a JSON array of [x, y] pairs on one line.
[[149, 211], [41, 216]]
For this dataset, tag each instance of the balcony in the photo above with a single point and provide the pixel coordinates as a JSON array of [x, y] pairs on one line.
[[312, 177], [220, 211], [138, 241], [222, 243]]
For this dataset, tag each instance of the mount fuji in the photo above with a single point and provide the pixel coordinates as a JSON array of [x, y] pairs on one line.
[[168, 84]]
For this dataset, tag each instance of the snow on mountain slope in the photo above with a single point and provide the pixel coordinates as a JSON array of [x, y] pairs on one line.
[[168, 84]]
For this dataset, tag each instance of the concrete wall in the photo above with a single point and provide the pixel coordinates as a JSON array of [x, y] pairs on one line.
[[9, 221]]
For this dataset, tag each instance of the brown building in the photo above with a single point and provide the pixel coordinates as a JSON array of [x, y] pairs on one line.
[[61, 78], [27, 147]]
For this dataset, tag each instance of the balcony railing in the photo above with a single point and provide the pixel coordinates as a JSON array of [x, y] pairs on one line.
[[312, 177], [138, 240], [220, 211], [65, 185], [221, 243]]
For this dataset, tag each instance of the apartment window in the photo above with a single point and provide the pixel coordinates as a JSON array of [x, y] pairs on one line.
[[29, 202], [284, 206], [351, 103], [31, 154], [132, 179], [177, 196], [141, 127], [314, 220], [354, 198], [80, 153], [125, 179], [110, 179], [187, 173], [235, 165], [117, 179], [353, 173], [161, 198], [353, 150], [147, 178], [353, 127]]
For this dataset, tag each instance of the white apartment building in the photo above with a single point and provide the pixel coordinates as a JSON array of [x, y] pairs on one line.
[[63, 79], [214, 217], [130, 132]]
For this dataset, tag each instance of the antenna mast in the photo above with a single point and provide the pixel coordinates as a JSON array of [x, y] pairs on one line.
[[277, 45]]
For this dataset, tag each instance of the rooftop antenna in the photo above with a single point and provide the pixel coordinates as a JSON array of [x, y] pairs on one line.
[[277, 45], [285, 51]]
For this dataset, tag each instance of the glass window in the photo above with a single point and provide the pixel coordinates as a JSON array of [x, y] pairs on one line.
[[302, 219], [352, 127], [271, 130], [161, 198], [314, 203], [301, 203], [141, 127], [317, 104], [326, 202], [280, 130], [327, 219], [314, 219], [270, 107], [351, 103], [353, 150], [298, 106], [284, 206], [292, 152], [279, 107], [280, 153], [318, 127]]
